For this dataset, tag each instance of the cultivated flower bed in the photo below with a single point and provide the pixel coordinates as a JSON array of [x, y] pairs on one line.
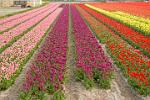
[[135, 24], [135, 8], [92, 64], [46, 73], [7, 38], [7, 19], [131, 62], [46, 53], [134, 38], [12, 23], [14, 57]]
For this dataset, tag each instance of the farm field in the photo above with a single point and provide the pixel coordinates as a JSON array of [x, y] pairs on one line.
[[76, 51]]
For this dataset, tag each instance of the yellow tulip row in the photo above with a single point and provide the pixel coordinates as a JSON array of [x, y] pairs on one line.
[[140, 19], [137, 23]]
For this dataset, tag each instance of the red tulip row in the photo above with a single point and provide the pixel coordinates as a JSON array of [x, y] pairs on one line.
[[140, 9], [91, 62], [46, 73], [136, 39], [134, 66]]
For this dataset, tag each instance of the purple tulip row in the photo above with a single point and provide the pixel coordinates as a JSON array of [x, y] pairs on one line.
[[90, 54], [7, 19], [49, 64], [6, 37], [22, 19], [13, 56]]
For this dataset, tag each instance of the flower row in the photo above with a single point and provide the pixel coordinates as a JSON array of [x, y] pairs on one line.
[[137, 18], [143, 28], [46, 73], [22, 19], [92, 63], [7, 19], [134, 38], [12, 35], [135, 8], [134, 66], [12, 59]]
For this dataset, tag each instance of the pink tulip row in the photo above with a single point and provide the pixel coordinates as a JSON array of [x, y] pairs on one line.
[[6, 37], [48, 66], [7, 19], [90, 54], [13, 56], [22, 19]]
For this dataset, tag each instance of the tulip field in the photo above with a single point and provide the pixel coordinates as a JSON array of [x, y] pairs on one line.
[[106, 38]]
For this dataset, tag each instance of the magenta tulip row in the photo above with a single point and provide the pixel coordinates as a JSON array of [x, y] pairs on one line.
[[22, 19], [6, 37], [49, 64], [13, 56], [90, 54]]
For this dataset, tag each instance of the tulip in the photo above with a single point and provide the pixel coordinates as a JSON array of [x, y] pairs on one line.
[[124, 55], [51, 56], [13, 56], [90, 54]]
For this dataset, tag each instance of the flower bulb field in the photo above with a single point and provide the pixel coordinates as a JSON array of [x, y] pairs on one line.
[[76, 51]]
